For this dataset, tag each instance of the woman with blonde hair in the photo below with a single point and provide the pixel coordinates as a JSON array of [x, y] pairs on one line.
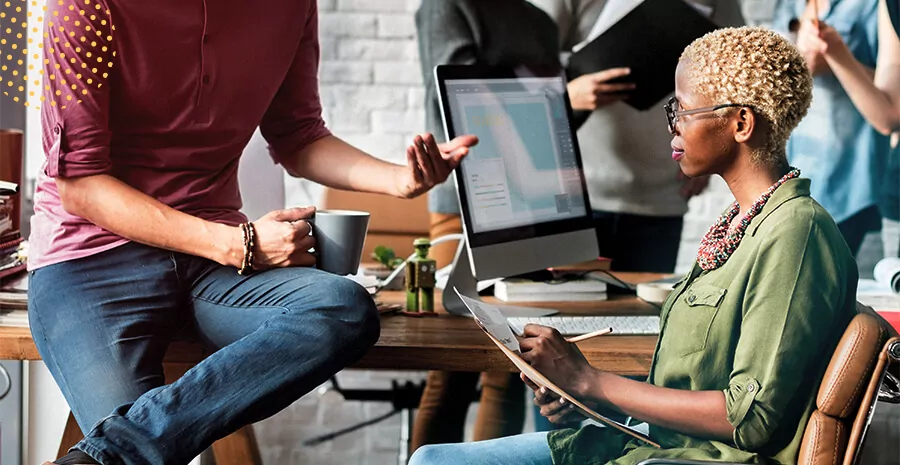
[[773, 288]]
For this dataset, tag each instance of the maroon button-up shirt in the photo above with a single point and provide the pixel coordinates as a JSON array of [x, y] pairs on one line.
[[189, 82]]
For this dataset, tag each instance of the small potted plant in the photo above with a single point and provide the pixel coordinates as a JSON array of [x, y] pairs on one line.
[[387, 261]]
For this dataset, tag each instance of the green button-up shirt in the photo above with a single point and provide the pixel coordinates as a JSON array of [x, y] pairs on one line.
[[761, 329]]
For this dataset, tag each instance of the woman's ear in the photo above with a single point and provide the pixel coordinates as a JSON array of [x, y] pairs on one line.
[[744, 125]]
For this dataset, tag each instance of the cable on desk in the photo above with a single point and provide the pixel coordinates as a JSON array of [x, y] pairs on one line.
[[619, 282]]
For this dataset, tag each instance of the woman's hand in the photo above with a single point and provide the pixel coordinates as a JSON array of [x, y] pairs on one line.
[[592, 91], [554, 408], [560, 361], [812, 46], [429, 163], [283, 239]]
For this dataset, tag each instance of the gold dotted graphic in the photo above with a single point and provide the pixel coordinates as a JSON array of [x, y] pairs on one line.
[[74, 36]]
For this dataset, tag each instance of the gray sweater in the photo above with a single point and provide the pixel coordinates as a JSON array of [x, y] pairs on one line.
[[488, 32]]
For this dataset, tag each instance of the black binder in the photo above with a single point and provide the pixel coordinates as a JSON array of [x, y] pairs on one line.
[[649, 40]]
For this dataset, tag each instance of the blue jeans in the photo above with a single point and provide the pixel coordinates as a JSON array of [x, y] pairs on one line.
[[524, 449], [102, 325]]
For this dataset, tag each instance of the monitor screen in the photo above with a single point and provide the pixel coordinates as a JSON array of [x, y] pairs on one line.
[[525, 169]]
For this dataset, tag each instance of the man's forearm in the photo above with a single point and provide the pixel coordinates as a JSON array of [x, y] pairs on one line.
[[334, 163], [123, 210], [697, 413]]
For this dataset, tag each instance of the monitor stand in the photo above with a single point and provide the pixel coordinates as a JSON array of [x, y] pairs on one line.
[[464, 281]]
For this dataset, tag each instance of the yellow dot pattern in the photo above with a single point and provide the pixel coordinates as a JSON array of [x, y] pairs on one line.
[[76, 33]]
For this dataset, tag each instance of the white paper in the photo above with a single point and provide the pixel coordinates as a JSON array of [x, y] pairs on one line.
[[611, 14], [877, 295], [615, 10], [492, 320]]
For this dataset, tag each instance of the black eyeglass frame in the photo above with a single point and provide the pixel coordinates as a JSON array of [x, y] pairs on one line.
[[672, 114]]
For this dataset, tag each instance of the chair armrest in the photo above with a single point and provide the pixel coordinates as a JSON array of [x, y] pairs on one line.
[[684, 462]]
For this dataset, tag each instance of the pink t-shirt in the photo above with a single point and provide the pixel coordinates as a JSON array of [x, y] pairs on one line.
[[188, 85]]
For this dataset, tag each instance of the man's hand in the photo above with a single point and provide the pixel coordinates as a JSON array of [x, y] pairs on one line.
[[692, 186], [429, 163], [554, 408], [283, 239], [592, 91], [560, 361]]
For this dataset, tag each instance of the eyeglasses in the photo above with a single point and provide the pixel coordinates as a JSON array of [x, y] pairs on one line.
[[672, 114]]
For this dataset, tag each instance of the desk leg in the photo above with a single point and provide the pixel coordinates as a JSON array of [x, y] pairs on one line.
[[239, 448], [407, 420], [71, 436]]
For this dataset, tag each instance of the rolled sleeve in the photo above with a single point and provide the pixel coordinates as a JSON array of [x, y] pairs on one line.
[[792, 315], [78, 56], [294, 118]]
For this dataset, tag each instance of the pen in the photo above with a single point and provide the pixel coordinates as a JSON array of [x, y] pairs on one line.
[[589, 335], [815, 5]]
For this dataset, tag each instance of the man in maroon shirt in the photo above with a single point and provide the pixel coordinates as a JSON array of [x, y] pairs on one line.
[[137, 235]]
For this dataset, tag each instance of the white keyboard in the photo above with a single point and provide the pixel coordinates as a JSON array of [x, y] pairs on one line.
[[576, 325]]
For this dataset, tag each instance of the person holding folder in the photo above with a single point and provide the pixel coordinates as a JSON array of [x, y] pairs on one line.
[[772, 289], [639, 198]]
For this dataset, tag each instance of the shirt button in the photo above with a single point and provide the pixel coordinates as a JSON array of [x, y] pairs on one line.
[[56, 130], [206, 79], [751, 388], [692, 298]]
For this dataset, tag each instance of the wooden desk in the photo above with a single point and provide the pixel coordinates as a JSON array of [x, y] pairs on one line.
[[448, 342], [444, 342]]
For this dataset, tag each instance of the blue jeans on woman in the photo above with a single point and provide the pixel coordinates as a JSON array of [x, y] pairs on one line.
[[102, 325], [523, 449]]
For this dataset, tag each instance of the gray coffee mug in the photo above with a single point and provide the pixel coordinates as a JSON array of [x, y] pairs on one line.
[[340, 235]]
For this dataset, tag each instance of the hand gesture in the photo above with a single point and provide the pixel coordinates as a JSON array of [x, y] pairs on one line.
[[560, 361], [554, 408], [283, 239], [429, 163], [592, 91]]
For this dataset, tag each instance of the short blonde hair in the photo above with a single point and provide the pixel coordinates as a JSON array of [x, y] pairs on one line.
[[758, 68]]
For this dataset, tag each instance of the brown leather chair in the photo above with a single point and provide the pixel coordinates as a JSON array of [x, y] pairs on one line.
[[847, 396]]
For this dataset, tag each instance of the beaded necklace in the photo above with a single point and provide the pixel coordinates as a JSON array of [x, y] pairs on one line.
[[721, 240]]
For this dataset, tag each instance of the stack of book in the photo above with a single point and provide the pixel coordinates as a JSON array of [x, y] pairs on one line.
[[569, 283], [561, 290], [883, 292], [14, 301], [12, 261]]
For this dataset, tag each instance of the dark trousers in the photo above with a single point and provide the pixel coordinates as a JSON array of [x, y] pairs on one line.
[[639, 242], [855, 228]]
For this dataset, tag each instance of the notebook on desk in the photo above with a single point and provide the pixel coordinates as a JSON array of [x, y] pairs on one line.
[[495, 326]]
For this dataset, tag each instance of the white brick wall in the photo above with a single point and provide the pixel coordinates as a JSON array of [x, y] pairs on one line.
[[372, 97]]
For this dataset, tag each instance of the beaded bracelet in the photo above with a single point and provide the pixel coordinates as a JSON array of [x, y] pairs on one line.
[[248, 235]]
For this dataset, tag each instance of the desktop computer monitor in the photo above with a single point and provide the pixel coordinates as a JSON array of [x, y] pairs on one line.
[[522, 191]]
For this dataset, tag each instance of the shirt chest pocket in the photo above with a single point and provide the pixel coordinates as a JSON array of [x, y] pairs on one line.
[[691, 318]]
